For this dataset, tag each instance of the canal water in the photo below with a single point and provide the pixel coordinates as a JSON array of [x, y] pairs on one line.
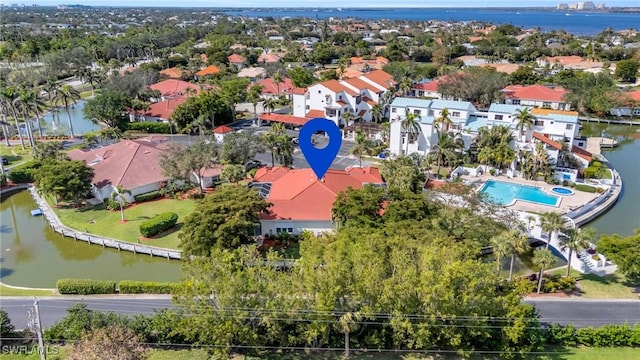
[[624, 217], [35, 256]]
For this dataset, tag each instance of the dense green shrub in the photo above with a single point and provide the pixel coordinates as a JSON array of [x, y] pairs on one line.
[[80, 320], [3, 179], [111, 204], [145, 287], [149, 127], [24, 173], [555, 283], [158, 224], [147, 196], [604, 336], [585, 188], [85, 286], [6, 328]]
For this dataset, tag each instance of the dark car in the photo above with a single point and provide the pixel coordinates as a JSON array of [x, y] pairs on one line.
[[253, 164], [5, 161]]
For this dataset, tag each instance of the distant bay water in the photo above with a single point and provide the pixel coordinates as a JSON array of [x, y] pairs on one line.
[[581, 23]]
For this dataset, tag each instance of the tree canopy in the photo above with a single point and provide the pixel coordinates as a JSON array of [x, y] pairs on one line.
[[108, 107], [65, 180], [225, 219]]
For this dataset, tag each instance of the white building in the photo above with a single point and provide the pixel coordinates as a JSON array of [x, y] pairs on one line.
[[551, 126], [332, 99]]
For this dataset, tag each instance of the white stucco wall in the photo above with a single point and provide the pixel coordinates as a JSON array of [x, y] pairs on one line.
[[269, 227]]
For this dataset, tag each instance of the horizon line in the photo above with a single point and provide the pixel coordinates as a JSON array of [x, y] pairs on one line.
[[324, 7]]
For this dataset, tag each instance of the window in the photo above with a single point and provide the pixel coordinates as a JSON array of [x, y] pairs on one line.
[[430, 113], [538, 123], [498, 117], [282, 230], [394, 110], [319, 92], [331, 112], [569, 127], [455, 113], [416, 112], [546, 105], [515, 102], [307, 107], [327, 98]]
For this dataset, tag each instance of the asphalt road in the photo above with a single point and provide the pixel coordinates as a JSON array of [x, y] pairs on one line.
[[581, 313]]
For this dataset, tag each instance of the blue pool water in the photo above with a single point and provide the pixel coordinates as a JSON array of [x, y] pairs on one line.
[[562, 191], [503, 193]]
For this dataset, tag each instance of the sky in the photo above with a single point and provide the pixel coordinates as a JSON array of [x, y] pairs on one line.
[[317, 3]]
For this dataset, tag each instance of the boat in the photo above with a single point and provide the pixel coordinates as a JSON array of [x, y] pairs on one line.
[[36, 212]]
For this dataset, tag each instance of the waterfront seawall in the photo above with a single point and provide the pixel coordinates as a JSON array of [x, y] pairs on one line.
[[57, 226]]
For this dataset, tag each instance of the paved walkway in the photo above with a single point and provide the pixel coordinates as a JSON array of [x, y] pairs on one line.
[[58, 227]]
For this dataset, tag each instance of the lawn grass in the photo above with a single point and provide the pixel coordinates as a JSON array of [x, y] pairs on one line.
[[107, 223], [613, 286], [15, 155], [8, 291]]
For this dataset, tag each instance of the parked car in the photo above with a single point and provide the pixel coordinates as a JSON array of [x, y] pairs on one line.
[[5, 161], [253, 164]]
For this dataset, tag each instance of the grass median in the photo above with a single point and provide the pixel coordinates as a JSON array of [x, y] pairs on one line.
[[107, 223]]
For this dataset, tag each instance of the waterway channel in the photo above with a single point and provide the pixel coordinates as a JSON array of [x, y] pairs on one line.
[[33, 255]]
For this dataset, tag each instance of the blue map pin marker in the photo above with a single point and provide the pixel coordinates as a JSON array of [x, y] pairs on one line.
[[320, 159]]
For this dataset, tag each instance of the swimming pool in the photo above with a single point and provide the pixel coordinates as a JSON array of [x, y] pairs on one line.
[[562, 191], [504, 193]]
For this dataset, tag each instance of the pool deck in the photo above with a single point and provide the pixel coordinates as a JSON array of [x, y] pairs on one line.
[[567, 202]]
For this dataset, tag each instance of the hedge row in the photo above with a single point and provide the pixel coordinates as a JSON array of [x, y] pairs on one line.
[[147, 196], [158, 224], [585, 188], [604, 336], [145, 287], [150, 127], [85, 286]]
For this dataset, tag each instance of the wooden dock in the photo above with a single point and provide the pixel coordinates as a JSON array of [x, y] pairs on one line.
[[595, 144]]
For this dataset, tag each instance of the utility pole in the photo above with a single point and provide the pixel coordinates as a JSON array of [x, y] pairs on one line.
[[38, 328]]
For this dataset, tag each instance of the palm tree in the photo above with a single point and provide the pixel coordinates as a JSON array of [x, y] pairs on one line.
[[67, 96], [524, 118], [273, 140], [443, 119], [544, 259], [376, 113], [361, 146], [411, 126], [347, 117], [33, 104], [269, 104], [518, 242], [576, 239], [254, 96], [23, 108], [500, 246], [447, 149], [277, 80], [8, 97], [385, 130], [348, 322], [552, 222], [118, 195], [530, 218]]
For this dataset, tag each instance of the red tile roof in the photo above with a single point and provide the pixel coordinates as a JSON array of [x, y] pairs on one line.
[[209, 70], [546, 140], [534, 92], [164, 109], [635, 95], [381, 78], [287, 119], [173, 72], [235, 58], [299, 195], [222, 129], [315, 114], [174, 87], [268, 58], [130, 163], [297, 91], [269, 86], [360, 84], [336, 87], [581, 153]]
